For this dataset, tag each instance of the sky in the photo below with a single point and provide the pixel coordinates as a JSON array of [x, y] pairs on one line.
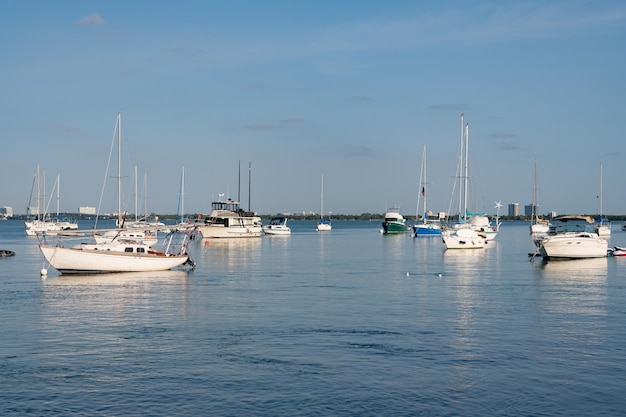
[[258, 100]]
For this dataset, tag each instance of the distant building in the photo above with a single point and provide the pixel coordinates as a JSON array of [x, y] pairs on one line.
[[87, 210], [514, 209], [528, 210], [6, 211]]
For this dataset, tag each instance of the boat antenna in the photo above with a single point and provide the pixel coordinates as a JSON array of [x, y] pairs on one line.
[[239, 183]]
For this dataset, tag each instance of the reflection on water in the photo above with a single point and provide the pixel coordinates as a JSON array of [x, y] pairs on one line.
[[124, 278], [575, 286], [232, 253], [577, 269]]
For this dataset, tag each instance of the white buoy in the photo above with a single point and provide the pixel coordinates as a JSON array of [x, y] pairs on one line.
[[43, 272], [407, 274]]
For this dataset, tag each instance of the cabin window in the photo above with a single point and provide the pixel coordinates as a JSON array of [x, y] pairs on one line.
[[128, 250], [141, 250]]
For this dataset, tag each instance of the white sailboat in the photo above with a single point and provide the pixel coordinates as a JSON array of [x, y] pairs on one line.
[[428, 226], [603, 226], [324, 225], [120, 252], [462, 235], [539, 227], [42, 223]]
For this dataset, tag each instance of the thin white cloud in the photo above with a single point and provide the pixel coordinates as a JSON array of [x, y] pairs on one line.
[[487, 24], [93, 19]]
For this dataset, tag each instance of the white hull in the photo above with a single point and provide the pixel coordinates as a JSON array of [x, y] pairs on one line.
[[323, 227], [278, 226], [603, 230], [85, 261], [539, 231], [573, 246], [127, 235], [462, 239], [277, 230], [52, 228], [210, 231]]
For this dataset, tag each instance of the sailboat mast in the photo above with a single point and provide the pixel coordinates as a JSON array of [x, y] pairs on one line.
[[465, 172], [423, 190], [249, 182], [182, 196], [461, 166], [601, 193], [322, 199], [58, 192], [119, 169], [533, 213], [136, 206]]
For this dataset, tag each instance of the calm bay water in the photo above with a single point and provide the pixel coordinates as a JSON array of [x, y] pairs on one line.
[[318, 324]]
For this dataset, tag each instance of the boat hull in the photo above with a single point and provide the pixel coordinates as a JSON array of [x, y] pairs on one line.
[[84, 261], [426, 230], [212, 231], [323, 227], [390, 228], [573, 247], [277, 230], [462, 239]]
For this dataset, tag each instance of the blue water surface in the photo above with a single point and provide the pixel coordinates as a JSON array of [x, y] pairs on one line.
[[348, 322]]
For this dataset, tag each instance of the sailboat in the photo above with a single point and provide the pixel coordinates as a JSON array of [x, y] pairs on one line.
[[462, 235], [119, 253], [539, 227], [324, 225], [42, 223], [603, 225], [144, 223], [428, 226]]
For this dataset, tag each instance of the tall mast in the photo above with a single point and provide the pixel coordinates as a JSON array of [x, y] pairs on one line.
[[322, 199], [249, 182], [601, 193], [424, 184], [58, 192], [461, 167], [136, 207], [119, 169], [182, 196], [466, 172]]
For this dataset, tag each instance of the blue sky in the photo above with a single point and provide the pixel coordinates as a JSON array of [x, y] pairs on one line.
[[350, 90]]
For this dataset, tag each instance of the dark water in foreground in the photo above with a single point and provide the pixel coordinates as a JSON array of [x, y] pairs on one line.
[[318, 325]]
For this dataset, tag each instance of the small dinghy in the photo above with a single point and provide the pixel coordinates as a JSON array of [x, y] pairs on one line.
[[6, 253]]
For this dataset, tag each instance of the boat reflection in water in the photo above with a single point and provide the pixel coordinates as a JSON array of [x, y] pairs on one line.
[[232, 252], [574, 287], [118, 278], [576, 270]]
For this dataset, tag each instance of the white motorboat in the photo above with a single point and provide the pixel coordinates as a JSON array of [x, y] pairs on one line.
[[572, 237], [277, 226], [228, 220]]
